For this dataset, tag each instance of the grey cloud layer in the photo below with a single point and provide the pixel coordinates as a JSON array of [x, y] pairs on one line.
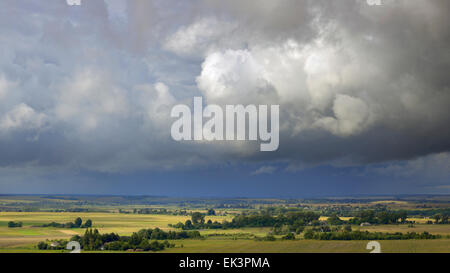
[[91, 87]]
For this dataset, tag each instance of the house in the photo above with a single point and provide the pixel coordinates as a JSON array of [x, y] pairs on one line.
[[54, 244]]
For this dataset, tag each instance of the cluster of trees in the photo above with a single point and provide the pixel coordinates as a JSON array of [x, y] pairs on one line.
[[296, 220], [211, 212], [288, 229], [158, 234], [92, 240], [380, 217], [144, 239], [138, 245], [281, 210], [270, 237], [141, 241], [335, 220], [365, 235], [162, 211], [289, 236], [166, 211], [429, 212], [52, 245], [384, 217], [285, 229], [77, 210], [78, 223], [12, 224], [235, 206], [346, 228], [441, 218], [197, 222]]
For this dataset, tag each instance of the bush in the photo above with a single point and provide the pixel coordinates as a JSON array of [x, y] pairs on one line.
[[289, 236], [299, 230], [52, 245], [93, 240], [309, 234], [266, 238], [76, 224], [42, 245], [12, 224], [365, 235]]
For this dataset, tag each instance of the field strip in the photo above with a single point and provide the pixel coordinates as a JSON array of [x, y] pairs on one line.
[[19, 241], [68, 232]]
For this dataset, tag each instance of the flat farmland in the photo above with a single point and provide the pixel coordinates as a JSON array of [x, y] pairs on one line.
[[25, 238], [418, 228], [123, 224], [308, 246], [222, 245], [100, 220]]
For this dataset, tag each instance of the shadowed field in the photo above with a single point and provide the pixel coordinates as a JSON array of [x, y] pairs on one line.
[[24, 239], [310, 246], [123, 224], [297, 246]]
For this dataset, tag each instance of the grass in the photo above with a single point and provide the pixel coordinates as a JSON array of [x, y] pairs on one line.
[[123, 224], [24, 239], [255, 231], [105, 222], [296, 246], [418, 228], [308, 246]]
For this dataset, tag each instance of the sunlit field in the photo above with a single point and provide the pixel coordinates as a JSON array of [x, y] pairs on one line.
[[24, 239], [123, 224]]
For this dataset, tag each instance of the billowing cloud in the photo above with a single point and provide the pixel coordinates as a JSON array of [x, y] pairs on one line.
[[21, 117], [201, 37], [93, 85], [350, 116]]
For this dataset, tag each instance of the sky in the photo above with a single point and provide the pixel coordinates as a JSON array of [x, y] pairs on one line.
[[86, 93]]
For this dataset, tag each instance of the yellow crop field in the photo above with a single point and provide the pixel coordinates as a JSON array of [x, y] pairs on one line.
[[24, 239]]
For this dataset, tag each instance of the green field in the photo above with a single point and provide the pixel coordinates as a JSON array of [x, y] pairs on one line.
[[310, 246], [24, 239]]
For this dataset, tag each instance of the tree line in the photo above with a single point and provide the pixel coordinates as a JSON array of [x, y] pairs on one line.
[[78, 223], [164, 211], [93, 240], [12, 224], [441, 218], [144, 239], [380, 217], [295, 219], [365, 235]]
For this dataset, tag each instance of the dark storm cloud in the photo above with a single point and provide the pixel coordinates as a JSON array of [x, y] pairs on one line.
[[91, 87], [376, 79]]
